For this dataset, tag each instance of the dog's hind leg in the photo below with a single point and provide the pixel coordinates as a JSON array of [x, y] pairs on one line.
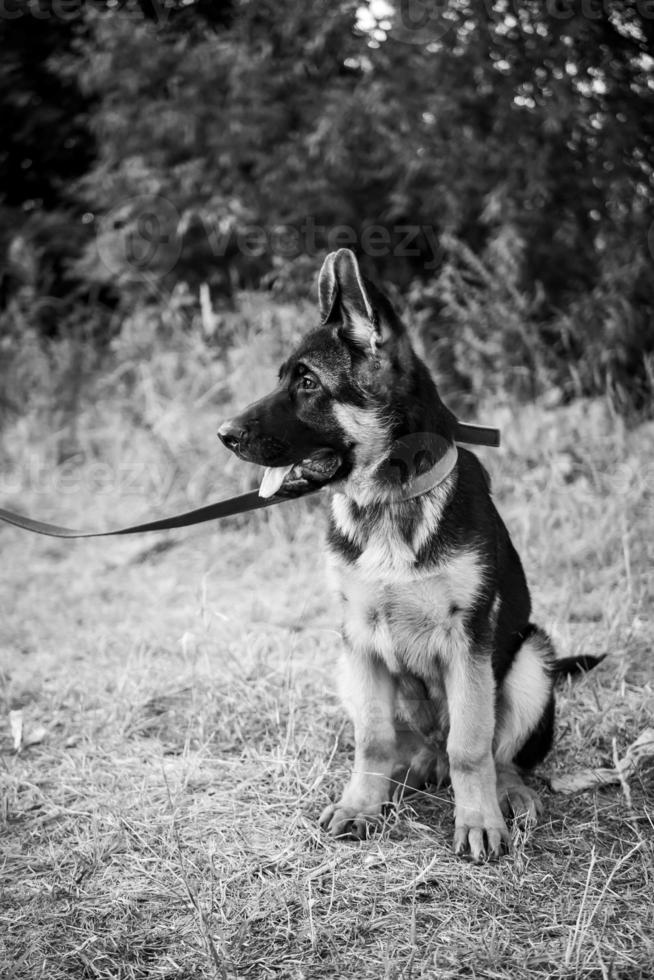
[[525, 724], [421, 728], [368, 691], [420, 761]]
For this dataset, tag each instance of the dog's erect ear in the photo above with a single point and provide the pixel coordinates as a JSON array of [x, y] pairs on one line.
[[327, 289], [342, 292], [344, 296]]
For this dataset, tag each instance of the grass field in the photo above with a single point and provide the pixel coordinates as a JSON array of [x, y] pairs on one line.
[[180, 734]]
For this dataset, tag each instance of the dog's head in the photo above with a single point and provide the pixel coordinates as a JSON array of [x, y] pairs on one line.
[[343, 395]]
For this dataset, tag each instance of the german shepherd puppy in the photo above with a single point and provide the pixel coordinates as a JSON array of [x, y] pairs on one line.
[[443, 673]]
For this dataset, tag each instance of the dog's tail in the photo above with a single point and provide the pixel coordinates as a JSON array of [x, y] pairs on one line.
[[570, 666], [558, 667]]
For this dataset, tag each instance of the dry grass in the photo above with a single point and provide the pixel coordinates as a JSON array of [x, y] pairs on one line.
[[163, 825]]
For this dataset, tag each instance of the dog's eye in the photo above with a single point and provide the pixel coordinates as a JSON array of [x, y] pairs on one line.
[[307, 383]]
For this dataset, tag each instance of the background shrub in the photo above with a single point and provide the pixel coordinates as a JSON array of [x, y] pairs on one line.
[[154, 154]]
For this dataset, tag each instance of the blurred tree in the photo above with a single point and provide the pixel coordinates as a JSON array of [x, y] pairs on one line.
[[288, 113], [48, 144], [45, 147], [232, 143]]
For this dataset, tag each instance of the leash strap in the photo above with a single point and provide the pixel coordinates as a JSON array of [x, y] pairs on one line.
[[212, 512], [476, 435]]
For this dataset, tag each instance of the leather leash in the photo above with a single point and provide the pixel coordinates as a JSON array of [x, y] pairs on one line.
[[212, 512], [477, 435]]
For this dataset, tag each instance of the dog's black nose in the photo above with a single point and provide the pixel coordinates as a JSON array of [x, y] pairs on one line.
[[230, 434]]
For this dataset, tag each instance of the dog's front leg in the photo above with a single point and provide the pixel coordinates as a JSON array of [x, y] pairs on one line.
[[368, 693], [478, 823]]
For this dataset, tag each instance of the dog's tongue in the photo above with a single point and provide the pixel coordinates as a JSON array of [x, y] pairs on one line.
[[299, 478], [273, 478]]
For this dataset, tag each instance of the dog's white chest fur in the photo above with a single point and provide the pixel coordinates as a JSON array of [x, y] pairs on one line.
[[411, 616]]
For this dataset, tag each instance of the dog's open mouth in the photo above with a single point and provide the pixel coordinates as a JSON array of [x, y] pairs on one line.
[[308, 474]]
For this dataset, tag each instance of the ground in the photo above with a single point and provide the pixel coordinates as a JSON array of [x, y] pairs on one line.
[[181, 734]]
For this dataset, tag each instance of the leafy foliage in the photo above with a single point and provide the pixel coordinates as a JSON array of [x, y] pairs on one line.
[[233, 143]]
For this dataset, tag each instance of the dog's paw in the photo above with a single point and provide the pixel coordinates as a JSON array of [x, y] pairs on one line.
[[481, 839], [340, 820]]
